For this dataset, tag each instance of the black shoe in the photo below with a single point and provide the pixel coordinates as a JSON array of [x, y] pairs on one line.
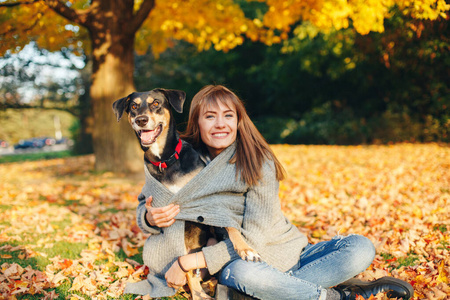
[[393, 287]]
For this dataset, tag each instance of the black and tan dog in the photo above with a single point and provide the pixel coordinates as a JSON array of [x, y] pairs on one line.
[[171, 161]]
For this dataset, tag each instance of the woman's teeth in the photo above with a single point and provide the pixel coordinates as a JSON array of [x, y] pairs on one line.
[[220, 134]]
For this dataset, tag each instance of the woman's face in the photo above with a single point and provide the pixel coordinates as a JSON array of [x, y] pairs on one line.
[[218, 126]]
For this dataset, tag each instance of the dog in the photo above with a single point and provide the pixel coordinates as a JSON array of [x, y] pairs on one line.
[[172, 161]]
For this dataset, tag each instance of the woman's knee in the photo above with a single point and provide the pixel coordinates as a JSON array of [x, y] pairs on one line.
[[240, 273], [363, 250], [365, 246], [230, 271]]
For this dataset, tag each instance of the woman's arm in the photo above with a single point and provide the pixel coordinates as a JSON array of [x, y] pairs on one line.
[[218, 255], [260, 206], [152, 219], [160, 216], [176, 275], [258, 217]]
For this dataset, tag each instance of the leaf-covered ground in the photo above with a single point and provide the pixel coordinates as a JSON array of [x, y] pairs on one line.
[[69, 233]]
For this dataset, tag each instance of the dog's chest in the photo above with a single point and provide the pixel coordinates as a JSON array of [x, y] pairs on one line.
[[156, 150], [178, 181], [173, 188]]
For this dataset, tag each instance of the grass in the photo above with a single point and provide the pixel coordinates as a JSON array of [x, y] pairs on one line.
[[34, 156], [47, 245], [407, 261], [65, 250], [69, 250], [396, 263], [19, 124], [61, 210], [58, 208]]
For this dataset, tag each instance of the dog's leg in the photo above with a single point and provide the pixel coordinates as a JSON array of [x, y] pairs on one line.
[[197, 291], [240, 245]]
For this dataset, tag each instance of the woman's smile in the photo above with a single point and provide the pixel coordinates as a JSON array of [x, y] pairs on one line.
[[220, 135], [218, 126]]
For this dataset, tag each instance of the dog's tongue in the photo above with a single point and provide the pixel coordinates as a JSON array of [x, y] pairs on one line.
[[148, 135]]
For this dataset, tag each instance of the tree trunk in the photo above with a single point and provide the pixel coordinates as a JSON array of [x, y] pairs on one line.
[[115, 145], [112, 25]]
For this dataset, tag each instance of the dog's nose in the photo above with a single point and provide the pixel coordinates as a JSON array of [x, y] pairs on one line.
[[142, 121]]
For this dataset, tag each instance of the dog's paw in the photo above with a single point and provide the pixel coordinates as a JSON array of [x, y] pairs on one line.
[[249, 255]]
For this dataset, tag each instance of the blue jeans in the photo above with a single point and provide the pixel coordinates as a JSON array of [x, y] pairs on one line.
[[321, 266]]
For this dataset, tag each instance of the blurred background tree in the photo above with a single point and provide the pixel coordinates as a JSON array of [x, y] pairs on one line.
[[338, 87], [330, 71]]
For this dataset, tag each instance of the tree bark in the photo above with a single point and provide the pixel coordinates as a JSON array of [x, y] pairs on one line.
[[115, 145], [112, 25]]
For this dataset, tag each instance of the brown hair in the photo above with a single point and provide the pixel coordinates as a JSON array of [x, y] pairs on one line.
[[251, 147]]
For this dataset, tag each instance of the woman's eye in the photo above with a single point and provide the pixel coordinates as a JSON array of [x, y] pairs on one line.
[[134, 106], [229, 115], [209, 117]]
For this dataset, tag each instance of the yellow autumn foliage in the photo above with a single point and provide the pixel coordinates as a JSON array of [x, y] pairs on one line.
[[220, 23], [36, 22], [366, 15]]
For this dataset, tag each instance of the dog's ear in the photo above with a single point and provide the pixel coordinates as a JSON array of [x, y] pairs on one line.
[[120, 106], [176, 98]]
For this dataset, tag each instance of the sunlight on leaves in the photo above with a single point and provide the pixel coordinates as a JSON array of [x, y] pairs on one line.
[[65, 230]]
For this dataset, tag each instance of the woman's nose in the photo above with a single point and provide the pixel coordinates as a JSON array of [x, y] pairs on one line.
[[219, 122]]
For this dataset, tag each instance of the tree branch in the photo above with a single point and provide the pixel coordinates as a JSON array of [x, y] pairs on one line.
[[12, 4], [26, 29], [73, 15], [142, 14]]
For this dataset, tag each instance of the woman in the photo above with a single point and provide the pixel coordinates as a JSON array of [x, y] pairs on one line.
[[291, 268]]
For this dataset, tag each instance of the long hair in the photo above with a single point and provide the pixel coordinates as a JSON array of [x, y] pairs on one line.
[[251, 147]]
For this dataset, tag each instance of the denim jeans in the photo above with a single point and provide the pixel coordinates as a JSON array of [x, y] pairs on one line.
[[321, 266]]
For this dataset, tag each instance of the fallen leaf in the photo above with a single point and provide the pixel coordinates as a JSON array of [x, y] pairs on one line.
[[443, 274]]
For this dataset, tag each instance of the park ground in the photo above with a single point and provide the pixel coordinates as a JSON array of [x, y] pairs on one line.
[[67, 232]]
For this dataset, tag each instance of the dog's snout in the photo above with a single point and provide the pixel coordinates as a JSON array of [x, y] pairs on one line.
[[142, 121]]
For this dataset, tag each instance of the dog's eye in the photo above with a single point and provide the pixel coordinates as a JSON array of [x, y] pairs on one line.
[[155, 103], [134, 106]]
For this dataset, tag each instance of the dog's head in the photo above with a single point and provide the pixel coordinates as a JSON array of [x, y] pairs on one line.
[[149, 112]]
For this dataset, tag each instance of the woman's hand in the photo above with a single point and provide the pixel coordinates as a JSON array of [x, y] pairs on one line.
[[175, 277], [161, 216]]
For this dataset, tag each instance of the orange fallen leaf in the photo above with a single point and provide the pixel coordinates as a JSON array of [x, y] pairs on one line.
[[128, 248], [66, 263], [396, 195], [443, 274]]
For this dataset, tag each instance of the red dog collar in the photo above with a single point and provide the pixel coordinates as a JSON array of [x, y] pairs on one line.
[[167, 163]]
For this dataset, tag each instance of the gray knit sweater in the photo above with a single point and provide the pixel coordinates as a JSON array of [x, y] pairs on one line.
[[215, 197]]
